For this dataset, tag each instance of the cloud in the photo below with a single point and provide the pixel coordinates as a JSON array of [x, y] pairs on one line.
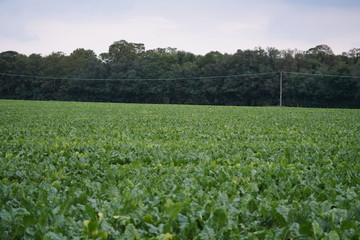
[[197, 26], [67, 35], [318, 25]]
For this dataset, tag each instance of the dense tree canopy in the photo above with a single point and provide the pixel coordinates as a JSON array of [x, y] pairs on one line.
[[130, 73]]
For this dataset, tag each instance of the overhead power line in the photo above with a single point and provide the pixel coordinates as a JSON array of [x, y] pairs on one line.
[[322, 75], [137, 79], [179, 78]]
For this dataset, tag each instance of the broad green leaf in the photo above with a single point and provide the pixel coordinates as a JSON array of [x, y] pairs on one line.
[[283, 211], [172, 209], [207, 233], [131, 233], [219, 218], [333, 235], [317, 230]]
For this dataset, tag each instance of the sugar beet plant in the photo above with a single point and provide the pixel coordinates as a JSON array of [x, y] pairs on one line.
[[131, 171]]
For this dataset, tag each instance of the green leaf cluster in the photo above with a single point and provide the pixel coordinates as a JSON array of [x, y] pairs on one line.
[[131, 171]]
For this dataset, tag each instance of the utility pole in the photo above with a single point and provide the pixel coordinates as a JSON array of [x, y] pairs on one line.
[[281, 80]]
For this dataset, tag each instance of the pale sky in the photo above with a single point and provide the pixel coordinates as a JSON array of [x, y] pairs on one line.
[[197, 26]]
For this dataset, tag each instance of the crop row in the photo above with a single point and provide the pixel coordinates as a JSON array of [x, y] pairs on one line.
[[132, 171]]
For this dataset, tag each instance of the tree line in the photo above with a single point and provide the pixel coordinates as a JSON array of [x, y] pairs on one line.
[[128, 73]]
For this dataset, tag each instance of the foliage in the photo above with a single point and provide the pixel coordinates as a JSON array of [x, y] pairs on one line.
[[126, 60], [132, 171]]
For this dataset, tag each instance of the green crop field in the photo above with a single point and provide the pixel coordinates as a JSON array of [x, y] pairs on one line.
[[131, 171]]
